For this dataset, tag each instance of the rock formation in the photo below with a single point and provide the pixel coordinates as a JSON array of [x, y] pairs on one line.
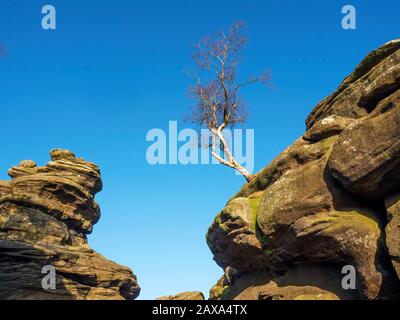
[[331, 199], [45, 214], [191, 295]]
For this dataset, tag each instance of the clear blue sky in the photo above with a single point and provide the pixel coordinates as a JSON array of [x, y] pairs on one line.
[[113, 70]]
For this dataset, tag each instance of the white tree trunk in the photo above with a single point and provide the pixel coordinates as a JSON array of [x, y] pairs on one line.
[[230, 161]]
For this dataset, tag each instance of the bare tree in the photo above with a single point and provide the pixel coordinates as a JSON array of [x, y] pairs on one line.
[[218, 104]]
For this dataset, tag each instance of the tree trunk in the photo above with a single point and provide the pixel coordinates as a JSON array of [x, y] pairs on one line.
[[230, 161], [247, 175]]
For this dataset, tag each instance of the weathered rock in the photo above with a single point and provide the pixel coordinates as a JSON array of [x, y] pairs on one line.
[[218, 291], [366, 158], [347, 237], [393, 231], [194, 295], [27, 164], [299, 153], [320, 204], [386, 104], [375, 78], [305, 282], [232, 236], [65, 188], [327, 127], [45, 214], [296, 218], [300, 192]]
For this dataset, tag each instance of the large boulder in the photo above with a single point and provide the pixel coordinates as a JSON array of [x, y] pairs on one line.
[[304, 282], [232, 236], [45, 214], [320, 205], [393, 231], [235, 237], [374, 78], [327, 127], [366, 158], [65, 188], [190, 295]]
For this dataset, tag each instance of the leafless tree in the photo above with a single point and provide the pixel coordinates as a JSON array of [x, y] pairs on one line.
[[218, 104]]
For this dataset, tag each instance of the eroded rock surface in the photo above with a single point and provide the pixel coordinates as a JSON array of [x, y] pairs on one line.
[[366, 158], [45, 214], [329, 200], [374, 79], [191, 295], [393, 231]]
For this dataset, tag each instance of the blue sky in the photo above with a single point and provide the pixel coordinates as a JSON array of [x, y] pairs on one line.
[[112, 70]]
